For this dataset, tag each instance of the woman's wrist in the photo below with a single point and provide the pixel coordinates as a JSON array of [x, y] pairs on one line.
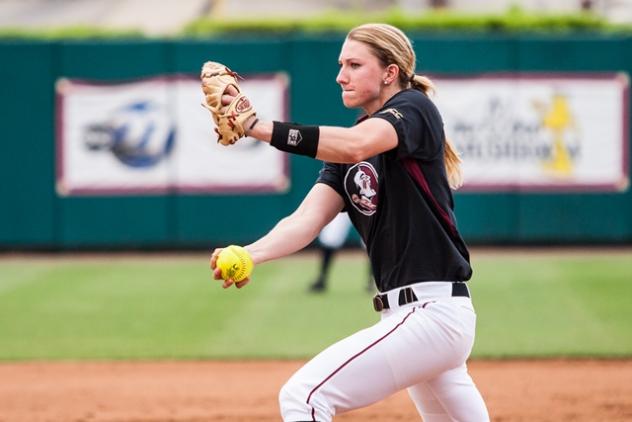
[[250, 124], [295, 139], [258, 129], [256, 254]]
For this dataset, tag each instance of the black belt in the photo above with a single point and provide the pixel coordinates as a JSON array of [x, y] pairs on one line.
[[407, 295]]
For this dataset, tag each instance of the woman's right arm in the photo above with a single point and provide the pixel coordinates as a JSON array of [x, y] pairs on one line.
[[292, 233], [300, 228]]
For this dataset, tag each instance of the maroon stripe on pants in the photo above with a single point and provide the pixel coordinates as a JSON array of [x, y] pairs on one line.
[[352, 358]]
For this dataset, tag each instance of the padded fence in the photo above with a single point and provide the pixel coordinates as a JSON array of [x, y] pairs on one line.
[[34, 216]]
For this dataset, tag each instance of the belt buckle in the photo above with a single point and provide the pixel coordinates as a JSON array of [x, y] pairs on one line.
[[378, 305]]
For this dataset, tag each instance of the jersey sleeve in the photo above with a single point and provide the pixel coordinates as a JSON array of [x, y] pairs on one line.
[[330, 174], [418, 125]]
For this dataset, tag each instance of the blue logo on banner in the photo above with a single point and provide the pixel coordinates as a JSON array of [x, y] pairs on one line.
[[139, 135]]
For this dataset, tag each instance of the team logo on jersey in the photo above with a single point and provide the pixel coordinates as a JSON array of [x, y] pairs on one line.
[[395, 112], [361, 184]]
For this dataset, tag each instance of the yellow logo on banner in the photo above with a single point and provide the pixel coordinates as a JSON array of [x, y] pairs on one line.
[[557, 118]]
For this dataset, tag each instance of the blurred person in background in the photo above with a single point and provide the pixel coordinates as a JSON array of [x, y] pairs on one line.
[[330, 240]]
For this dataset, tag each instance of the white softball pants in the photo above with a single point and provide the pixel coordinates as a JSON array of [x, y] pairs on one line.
[[422, 346]]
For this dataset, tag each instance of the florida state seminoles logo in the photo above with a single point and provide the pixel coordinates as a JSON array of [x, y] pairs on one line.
[[361, 187]]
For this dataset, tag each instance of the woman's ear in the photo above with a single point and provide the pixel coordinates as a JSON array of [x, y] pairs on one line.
[[391, 74]]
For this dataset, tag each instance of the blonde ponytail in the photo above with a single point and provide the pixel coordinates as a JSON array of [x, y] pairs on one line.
[[452, 163], [422, 83], [451, 158]]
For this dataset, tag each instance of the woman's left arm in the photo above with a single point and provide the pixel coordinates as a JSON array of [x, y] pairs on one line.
[[344, 145], [335, 144]]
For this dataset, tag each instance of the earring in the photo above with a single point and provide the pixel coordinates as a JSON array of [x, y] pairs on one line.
[[385, 82]]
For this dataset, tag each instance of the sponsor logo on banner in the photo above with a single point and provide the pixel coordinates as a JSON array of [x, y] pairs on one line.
[[151, 136], [139, 135], [560, 132]]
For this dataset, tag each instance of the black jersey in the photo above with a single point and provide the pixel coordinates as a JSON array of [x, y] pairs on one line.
[[400, 201]]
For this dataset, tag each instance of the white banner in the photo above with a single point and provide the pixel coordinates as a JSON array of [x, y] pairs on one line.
[[539, 132], [153, 136]]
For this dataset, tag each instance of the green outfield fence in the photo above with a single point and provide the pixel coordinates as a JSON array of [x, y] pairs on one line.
[[33, 216]]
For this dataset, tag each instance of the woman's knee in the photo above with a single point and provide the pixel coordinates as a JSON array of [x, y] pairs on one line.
[[288, 396], [292, 402], [299, 402]]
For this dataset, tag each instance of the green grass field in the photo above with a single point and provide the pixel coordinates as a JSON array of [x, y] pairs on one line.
[[531, 305]]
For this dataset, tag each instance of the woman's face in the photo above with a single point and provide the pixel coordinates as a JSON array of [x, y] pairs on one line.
[[361, 76]]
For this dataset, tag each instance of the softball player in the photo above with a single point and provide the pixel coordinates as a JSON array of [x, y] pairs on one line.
[[393, 173]]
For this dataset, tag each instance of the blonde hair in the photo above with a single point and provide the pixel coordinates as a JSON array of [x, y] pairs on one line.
[[391, 46]]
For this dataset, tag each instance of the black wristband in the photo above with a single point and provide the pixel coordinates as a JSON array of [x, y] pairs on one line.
[[297, 139]]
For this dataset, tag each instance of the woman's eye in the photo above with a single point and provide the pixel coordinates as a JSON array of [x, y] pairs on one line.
[[354, 65]]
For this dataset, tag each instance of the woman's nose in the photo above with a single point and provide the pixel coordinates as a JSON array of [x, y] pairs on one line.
[[341, 78]]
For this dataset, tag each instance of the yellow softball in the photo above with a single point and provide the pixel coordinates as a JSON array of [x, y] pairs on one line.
[[235, 263]]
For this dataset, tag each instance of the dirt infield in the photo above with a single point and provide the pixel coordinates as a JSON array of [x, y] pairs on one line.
[[555, 390]]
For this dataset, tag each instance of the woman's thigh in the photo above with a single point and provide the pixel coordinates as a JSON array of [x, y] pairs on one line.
[[451, 396], [403, 349]]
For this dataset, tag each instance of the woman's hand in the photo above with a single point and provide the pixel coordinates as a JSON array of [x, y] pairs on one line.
[[228, 97], [217, 273]]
